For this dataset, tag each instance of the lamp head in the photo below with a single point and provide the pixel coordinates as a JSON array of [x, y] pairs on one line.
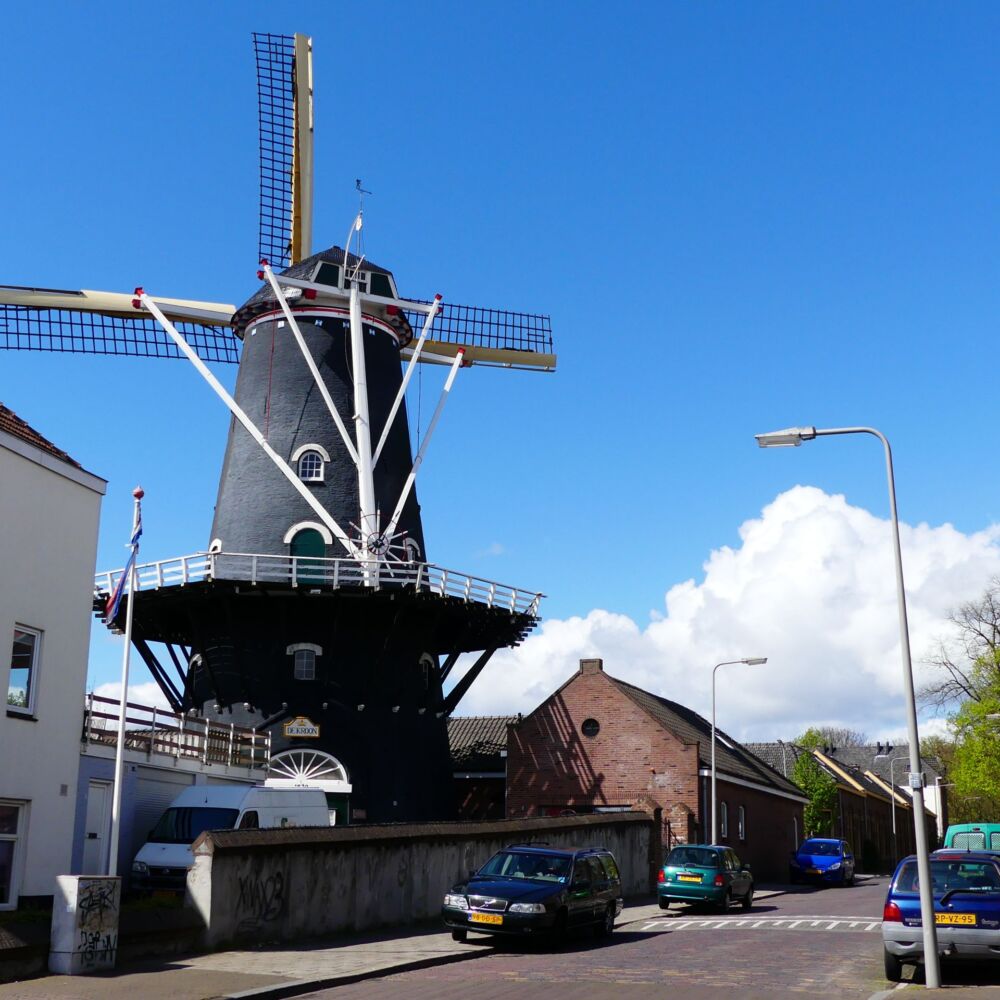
[[790, 437], [755, 661]]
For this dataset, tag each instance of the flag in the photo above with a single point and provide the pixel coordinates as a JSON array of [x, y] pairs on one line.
[[111, 608]]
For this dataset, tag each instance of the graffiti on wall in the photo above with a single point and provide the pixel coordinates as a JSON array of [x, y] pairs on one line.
[[97, 906], [261, 901]]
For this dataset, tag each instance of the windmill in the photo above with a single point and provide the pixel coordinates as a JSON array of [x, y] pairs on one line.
[[314, 612]]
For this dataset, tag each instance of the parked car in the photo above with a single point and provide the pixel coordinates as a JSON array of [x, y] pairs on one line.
[[973, 836], [705, 873], [822, 859], [966, 888], [532, 889], [163, 861]]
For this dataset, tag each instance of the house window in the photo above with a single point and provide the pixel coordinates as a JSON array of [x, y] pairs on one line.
[[10, 829], [305, 665], [311, 467], [590, 727], [23, 669], [723, 819], [741, 823]]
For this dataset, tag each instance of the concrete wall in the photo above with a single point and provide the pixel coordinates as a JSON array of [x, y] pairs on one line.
[[284, 885], [49, 510]]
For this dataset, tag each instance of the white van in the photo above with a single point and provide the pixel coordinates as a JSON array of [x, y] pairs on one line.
[[163, 861]]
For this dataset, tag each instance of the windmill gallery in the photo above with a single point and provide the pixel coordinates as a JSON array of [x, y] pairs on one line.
[[314, 613]]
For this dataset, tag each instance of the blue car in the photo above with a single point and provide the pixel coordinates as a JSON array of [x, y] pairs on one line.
[[823, 860], [966, 888]]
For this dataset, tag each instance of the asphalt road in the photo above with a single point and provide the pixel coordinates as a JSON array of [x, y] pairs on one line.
[[809, 943]]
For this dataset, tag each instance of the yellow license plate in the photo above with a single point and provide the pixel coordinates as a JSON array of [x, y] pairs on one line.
[[955, 918], [486, 918], [688, 878]]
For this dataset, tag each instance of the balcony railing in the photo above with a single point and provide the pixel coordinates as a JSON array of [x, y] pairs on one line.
[[303, 571], [158, 731]]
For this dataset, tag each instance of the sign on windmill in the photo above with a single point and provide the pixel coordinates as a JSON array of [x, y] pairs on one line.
[[301, 728]]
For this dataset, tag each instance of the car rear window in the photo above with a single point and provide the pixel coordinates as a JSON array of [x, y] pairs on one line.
[[701, 857], [821, 847], [973, 840], [965, 876]]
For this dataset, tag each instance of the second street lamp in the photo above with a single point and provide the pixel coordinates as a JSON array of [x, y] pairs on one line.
[[751, 661], [792, 437]]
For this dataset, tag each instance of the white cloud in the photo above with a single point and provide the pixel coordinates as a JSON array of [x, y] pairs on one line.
[[148, 693], [493, 549], [811, 586]]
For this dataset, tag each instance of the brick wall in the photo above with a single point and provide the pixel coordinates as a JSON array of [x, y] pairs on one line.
[[552, 765]]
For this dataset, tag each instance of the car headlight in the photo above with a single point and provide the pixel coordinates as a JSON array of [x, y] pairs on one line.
[[458, 902], [527, 908], [140, 868], [834, 866]]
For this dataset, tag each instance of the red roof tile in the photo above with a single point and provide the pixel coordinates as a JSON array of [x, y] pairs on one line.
[[12, 424]]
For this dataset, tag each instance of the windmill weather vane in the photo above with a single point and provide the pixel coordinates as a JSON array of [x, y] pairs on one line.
[[314, 598]]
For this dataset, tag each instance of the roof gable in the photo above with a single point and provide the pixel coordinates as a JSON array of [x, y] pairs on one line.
[[12, 424]]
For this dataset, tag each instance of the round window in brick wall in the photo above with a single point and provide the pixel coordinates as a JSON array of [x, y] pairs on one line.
[[590, 727]]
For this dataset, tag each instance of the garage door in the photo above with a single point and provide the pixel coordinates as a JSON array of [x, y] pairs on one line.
[[155, 789]]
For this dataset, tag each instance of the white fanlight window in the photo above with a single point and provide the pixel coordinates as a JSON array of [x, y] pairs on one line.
[[723, 819], [741, 822], [311, 462]]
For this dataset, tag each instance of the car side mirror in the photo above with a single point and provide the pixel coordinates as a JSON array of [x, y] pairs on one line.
[[472, 873]]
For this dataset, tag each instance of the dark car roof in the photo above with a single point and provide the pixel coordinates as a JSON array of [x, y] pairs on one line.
[[550, 849]]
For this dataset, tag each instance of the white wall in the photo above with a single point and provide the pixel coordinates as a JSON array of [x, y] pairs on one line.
[[49, 511]]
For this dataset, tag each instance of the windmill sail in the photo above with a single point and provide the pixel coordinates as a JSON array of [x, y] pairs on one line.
[[284, 109], [87, 322]]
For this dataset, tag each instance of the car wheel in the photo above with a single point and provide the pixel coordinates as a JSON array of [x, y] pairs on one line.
[[893, 967], [748, 898], [459, 935], [850, 881], [724, 903], [559, 928], [793, 877], [607, 924], [664, 903]]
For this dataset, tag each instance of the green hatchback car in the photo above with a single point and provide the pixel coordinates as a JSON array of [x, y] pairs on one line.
[[705, 873]]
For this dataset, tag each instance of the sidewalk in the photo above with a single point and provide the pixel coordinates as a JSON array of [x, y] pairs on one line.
[[274, 973]]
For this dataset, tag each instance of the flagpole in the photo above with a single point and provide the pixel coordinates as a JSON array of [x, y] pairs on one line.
[[116, 800]]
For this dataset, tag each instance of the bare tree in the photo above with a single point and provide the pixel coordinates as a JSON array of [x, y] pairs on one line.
[[838, 736], [967, 663]]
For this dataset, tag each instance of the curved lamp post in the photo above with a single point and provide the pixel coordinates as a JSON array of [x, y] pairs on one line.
[[751, 661], [792, 437]]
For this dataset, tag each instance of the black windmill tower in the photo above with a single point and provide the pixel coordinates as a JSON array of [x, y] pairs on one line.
[[314, 613]]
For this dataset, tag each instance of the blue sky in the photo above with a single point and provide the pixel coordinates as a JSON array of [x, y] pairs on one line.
[[739, 216]]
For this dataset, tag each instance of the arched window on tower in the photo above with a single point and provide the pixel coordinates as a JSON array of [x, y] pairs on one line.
[[310, 462]]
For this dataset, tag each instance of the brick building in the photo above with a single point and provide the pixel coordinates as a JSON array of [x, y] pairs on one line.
[[478, 745], [598, 744]]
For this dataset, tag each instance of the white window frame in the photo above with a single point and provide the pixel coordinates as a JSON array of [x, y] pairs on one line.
[[741, 822], [19, 839], [33, 672], [324, 531], [723, 819], [304, 647], [300, 453]]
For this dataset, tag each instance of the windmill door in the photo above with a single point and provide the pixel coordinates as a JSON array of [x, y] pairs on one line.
[[306, 548]]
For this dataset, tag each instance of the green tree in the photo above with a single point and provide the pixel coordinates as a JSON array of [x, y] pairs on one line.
[[820, 814]]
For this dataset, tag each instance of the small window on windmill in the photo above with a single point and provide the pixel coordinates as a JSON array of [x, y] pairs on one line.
[[305, 665], [311, 467]]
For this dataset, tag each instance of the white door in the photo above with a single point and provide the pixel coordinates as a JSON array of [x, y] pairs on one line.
[[96, 829]]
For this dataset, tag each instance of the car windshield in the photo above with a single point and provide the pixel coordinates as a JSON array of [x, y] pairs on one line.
[[527, 864], [951, 874], [702, 857], [185, 826], [823, 847]]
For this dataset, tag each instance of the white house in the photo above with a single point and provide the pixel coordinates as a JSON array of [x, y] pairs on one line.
[[49, 511]]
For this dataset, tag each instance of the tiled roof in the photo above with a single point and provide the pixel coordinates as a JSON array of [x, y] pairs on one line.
[[878, 759], [730, 756], [476, 741], [12, 424]]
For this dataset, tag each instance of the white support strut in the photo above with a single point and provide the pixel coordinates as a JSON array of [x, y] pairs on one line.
[[418, 461], [283, 467], [317, 378], [362, 424], [411, 365]]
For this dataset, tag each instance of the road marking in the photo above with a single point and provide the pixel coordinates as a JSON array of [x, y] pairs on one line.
[[840, 925]]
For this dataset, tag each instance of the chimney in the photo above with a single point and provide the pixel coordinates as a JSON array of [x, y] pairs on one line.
[[591, 666]]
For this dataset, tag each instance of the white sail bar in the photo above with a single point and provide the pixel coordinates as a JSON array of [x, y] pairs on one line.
[[418, 461], [334, 292], [362, 425], [114, 304], [317, 378], [251, 428], [407, 375]]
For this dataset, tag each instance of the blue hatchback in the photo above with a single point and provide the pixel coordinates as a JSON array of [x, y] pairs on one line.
[[966, 910], [822, 859]]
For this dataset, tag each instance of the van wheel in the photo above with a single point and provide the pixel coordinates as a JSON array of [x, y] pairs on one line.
[[664, 903], [893, 967], [459, 935]]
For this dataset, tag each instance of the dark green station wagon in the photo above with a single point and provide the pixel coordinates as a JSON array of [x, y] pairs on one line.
[[705, 873]]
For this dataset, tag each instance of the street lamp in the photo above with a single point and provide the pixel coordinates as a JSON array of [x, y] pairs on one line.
[[750, 661], [792, 437]]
